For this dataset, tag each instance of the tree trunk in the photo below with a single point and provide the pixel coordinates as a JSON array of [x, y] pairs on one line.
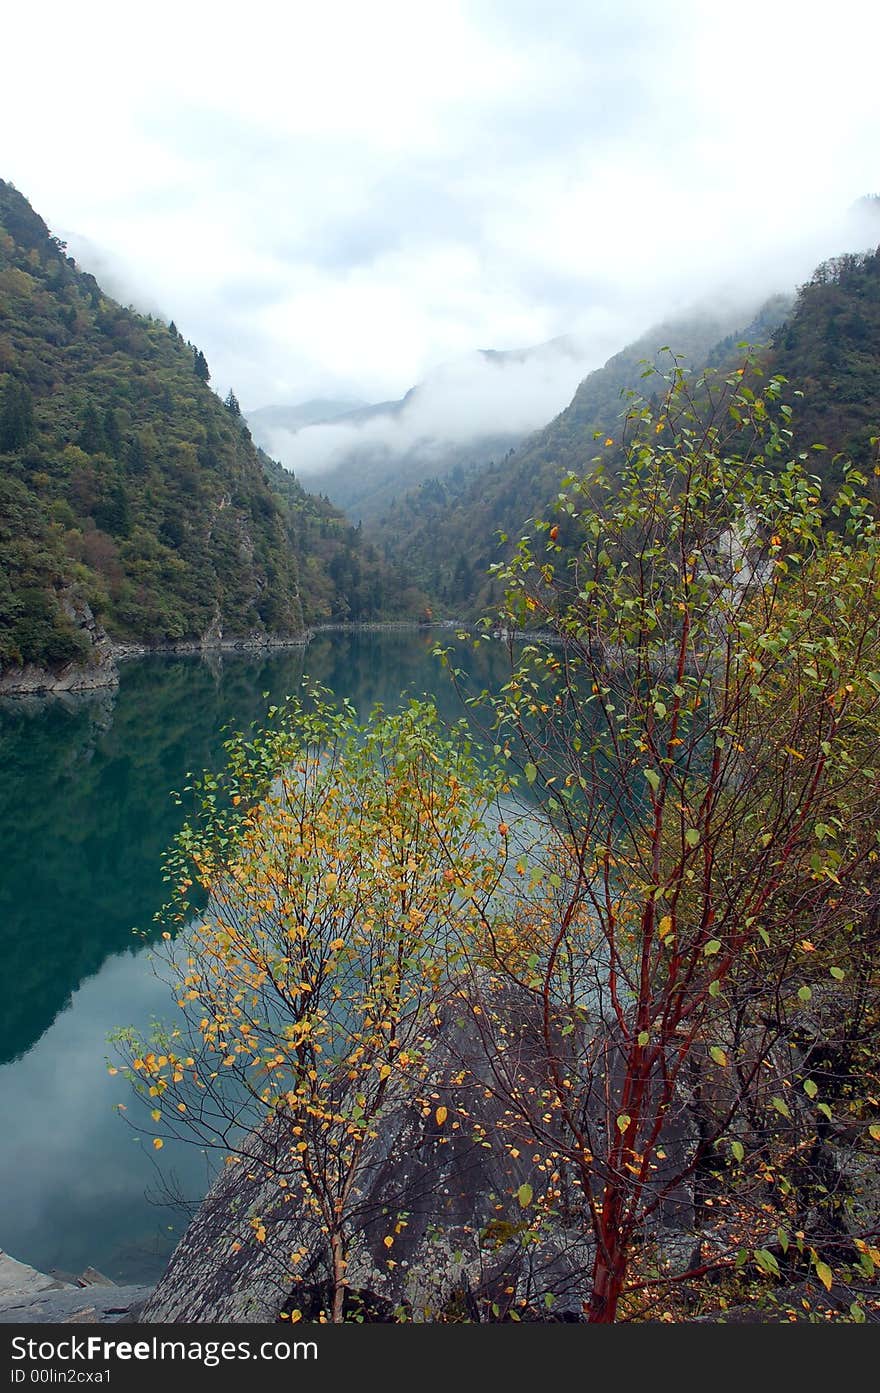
[[337, 1254], [609, 1268]]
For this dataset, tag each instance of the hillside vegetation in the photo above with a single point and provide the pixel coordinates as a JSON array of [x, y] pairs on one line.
[[445, 532], [127, 484]]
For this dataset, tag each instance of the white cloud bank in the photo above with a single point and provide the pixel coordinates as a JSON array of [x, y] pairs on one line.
[[466, 400], [335, 199]]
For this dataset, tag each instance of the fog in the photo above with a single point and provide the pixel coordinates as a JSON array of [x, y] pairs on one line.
[[337, 200], [510, 395], [466, 400]]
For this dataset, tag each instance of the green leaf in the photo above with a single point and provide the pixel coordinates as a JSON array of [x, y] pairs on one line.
[[767, 1262], [804, 995], [781, 1106], [524, 1195], [837, 973], [738, 1150], [712, 947], [874, 1131], [623, 1121], [825, 1275], [825, 1110], [531, 773], [718, 1055], [692, 836], [644, 1037], [653, 779], [810, 1088]]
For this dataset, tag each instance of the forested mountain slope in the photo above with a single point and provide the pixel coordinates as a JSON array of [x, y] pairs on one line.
[[829, 350], [446, 531], [127, 485]]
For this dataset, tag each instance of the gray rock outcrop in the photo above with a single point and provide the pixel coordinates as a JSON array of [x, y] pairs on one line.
[[96, 670], [28, 1296]]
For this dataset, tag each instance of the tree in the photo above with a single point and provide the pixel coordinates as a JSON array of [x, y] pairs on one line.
[[231, 403], [670, 952], [698, 737], [16, 415], [200, 365], [331, 856], [91, 437]]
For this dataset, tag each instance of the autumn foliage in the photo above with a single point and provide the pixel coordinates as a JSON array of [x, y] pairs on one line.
[[684, 892]]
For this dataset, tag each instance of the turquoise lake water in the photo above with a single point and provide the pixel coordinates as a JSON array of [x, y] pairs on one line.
[[85, 815]]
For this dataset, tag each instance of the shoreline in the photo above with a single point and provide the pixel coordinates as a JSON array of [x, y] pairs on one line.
[[101, 673]]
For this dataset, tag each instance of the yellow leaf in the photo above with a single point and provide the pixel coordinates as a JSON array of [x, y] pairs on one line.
[[665, 926], [441, 1116], [158, 1143], [825, 1275], [155, 1114], [388, 1241]]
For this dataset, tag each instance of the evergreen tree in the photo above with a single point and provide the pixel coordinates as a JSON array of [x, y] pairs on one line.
[[91, 437], [200, 365], [112, 433], [231, 403], [16, 416]]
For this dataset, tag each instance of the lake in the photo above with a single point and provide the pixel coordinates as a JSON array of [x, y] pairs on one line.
[[85, 815]]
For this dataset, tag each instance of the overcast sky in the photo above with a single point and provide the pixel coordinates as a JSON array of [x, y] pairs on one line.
[[335, 198]]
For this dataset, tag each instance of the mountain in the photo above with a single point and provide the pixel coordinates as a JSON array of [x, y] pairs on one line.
[[464, 414], [830, 350], [130, 494], [266, 420], [444, 533]]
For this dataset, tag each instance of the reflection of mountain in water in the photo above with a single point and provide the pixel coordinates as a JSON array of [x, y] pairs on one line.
[[85, 811]]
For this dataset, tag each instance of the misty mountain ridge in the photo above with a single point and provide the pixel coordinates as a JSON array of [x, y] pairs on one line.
[[444, 531], [465, 413], [263, 420]]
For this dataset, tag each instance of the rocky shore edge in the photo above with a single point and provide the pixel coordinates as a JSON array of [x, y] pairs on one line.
[[29, 1297], [99, 670]]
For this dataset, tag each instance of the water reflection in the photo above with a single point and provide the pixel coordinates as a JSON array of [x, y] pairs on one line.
[[85, 815]]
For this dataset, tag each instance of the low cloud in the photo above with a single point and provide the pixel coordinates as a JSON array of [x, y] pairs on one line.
[[333, 200], [472, 398]]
